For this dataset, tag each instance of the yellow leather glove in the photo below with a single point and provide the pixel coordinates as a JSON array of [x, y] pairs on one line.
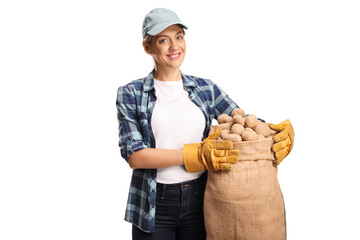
[[284, 139], [211, 154]]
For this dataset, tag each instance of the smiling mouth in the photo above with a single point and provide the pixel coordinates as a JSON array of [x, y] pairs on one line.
[[174, 56]]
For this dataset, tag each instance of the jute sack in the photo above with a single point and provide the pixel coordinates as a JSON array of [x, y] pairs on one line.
[[246, 203]]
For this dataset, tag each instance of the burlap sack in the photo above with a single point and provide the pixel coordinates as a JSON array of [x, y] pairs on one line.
[[246, 203]]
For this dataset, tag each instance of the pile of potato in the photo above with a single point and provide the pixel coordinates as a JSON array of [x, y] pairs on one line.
[[240, 128]]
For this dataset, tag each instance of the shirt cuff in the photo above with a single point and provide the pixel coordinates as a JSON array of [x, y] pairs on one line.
[[130, 147]]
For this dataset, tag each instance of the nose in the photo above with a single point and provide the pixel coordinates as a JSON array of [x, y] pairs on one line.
[[173, 45]]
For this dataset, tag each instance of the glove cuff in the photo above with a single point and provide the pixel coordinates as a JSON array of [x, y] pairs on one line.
[[191, 157]]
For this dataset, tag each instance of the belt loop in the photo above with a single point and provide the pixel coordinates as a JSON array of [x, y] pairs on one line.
[[163, 191], [196, 186]]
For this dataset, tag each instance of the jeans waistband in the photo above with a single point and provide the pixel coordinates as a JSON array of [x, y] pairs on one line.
[[196, 183]]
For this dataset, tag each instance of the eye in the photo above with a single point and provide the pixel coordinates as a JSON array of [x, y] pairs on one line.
[[180, 37], [164, 40]]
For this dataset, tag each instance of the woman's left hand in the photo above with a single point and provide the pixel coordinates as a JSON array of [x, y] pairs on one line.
[[284, 139]]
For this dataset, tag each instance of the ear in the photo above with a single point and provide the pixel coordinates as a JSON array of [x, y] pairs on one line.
[[146, 47]]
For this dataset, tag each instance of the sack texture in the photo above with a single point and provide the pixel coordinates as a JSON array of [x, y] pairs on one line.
[[246, 203]]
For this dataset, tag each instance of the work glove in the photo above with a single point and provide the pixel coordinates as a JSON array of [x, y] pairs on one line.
[[210, 154], [284, 139]]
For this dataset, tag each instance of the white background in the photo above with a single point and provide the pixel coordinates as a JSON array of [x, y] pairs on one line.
[[61, 62]]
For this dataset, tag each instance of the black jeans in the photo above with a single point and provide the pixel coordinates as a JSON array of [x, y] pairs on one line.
[[179, 212]]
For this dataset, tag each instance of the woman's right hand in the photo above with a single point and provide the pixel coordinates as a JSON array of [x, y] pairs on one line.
[[211, 154]]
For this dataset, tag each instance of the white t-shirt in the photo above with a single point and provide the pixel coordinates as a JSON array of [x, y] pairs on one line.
[[175, 121]]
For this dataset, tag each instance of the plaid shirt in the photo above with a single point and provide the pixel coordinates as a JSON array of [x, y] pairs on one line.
[[135, 104]]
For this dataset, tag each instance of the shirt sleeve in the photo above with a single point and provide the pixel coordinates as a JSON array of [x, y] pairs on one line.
[[223, 103], [130, 136]]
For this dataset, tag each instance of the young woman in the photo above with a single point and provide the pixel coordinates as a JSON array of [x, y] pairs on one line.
[[164, 120]]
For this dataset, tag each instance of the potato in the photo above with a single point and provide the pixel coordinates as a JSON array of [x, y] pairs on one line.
[[226, 125], [249, 129], [238, 119], [270, 137], [238, 111], [262, 129], [240, 128], [237, 129], [249, 136], [224, 118], [261, 137], [224, 132], [232, 137], [251, 121], [272, 132]]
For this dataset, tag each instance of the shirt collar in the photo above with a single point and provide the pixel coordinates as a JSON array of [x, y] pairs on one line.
[[149, 81]]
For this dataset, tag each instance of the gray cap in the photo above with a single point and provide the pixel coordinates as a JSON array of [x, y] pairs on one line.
[[158, 19]]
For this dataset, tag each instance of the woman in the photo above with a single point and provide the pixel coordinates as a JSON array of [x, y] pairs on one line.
[[163, 119]]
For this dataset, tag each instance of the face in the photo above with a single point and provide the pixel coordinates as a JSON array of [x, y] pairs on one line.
[[168, 48]]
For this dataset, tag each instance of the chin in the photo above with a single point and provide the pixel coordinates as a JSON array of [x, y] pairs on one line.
[[175, 65]]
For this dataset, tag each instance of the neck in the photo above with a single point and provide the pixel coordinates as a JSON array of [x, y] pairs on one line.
[[167, 74]]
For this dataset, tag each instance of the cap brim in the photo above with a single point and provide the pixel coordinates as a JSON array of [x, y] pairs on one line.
[[159, 28]]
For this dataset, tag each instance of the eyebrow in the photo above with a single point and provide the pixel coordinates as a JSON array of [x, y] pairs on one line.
[[168, 36]]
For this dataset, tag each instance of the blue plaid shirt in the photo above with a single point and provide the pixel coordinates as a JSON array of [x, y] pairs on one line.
[[135, 104]]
